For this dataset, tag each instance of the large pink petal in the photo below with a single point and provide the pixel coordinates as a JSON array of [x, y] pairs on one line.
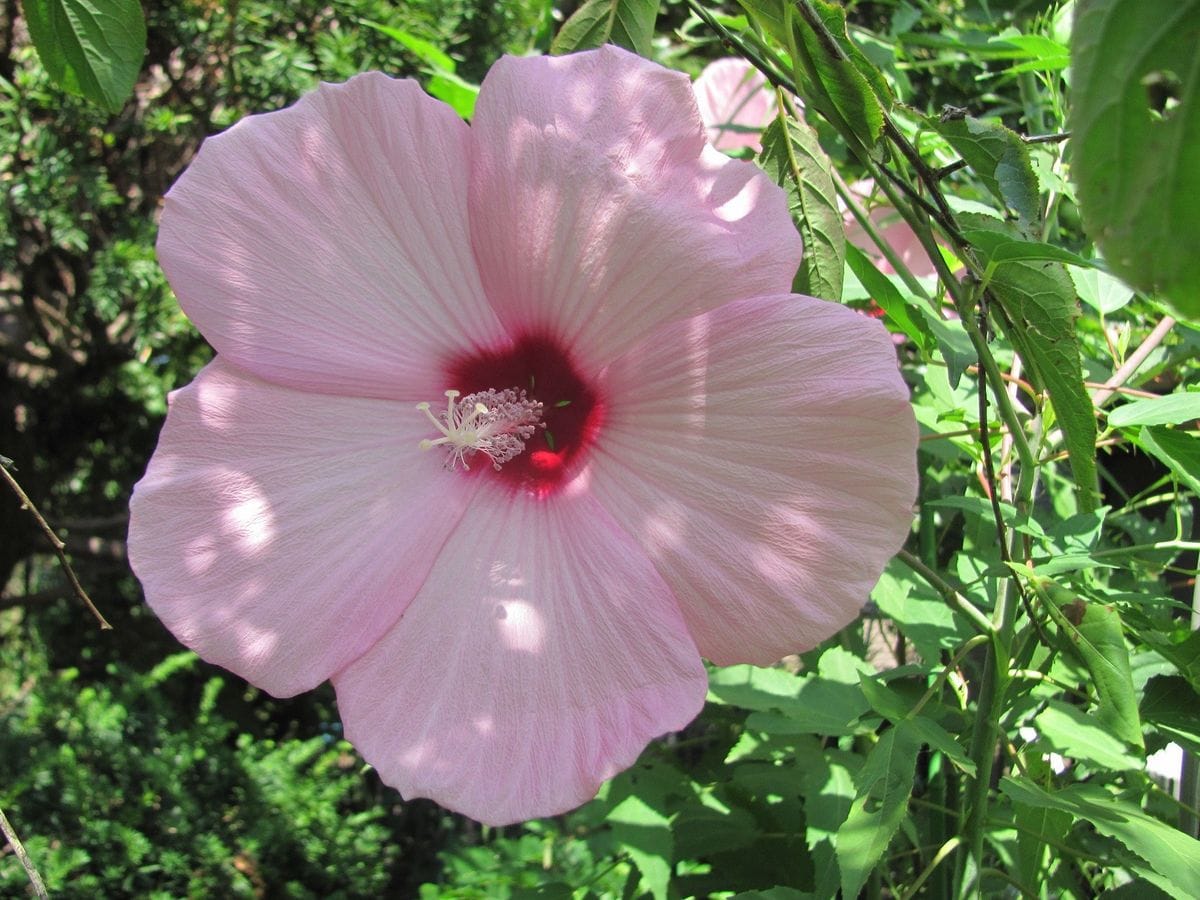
[[735, 103], [278, 533], [598, 211], [540, 656], [325, 246], [765, 456]]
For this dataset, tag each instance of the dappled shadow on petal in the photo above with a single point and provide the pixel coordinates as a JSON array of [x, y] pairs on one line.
[[541, 655], [279, 533]]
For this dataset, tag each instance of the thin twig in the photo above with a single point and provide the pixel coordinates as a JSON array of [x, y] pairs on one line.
[[58, 545], [39, 886], [1134, 361], [1056, 138]]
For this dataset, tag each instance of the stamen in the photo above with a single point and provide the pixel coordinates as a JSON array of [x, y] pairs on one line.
[[495, 423]]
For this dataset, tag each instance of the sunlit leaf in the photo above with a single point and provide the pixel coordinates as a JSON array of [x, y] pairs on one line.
[[793, 159], [884, 784], [93, 48], [1001, 160], [1093, 632], [1072, 732], [1169, 851], [1172, 409], [1038, 300], [626, 23], [646, 834]]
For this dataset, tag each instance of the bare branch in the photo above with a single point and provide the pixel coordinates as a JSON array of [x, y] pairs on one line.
[[39, 886], [56, 542]]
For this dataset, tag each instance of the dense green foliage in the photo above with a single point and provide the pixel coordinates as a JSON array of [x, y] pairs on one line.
[[984, 729]]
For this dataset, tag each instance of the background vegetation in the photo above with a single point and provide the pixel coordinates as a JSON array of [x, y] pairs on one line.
[[986, 728]]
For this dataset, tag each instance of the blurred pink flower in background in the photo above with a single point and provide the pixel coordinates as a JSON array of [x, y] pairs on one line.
[[509, 613], [735, 102], [896, 232]]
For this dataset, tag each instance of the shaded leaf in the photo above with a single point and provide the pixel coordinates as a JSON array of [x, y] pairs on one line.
[[92, 48], [1135, 121], [828, 795], [1170, 852], [1095, 635], [626, 23], [1173, 707], [1039, 828], [794, 160], [832, 73], [1183, 654], [1178, 450]]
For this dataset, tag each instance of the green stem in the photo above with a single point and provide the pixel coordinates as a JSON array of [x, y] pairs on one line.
[[864, 221], [946, 849], [1003, 402], [948, 592]]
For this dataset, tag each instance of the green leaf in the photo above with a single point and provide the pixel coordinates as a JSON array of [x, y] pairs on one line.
[[1038, 300], [890, 300], [1172, 706], [428, 53], [1178, 450], [1095, 635], [92, 48], [832, 73], [1172, 409], [1040, 828], [1170, 852], [954, 343], [646, 834], [885, 784], [794, 160], [828, 789], [883, 699], [1135, 124], [1183, 654], [1000, 247], [1071, 732], [892, 706], [1001, 160], [1099, 290], [457, 93], [783, 703], [626, 23]]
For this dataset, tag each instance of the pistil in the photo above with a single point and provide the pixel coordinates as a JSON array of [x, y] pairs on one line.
[[495, 423]]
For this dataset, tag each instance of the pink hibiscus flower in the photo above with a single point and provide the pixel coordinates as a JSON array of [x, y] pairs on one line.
[[656, 454], [736, 103]]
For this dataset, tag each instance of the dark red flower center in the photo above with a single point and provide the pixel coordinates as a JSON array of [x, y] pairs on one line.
[[571, 409]]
